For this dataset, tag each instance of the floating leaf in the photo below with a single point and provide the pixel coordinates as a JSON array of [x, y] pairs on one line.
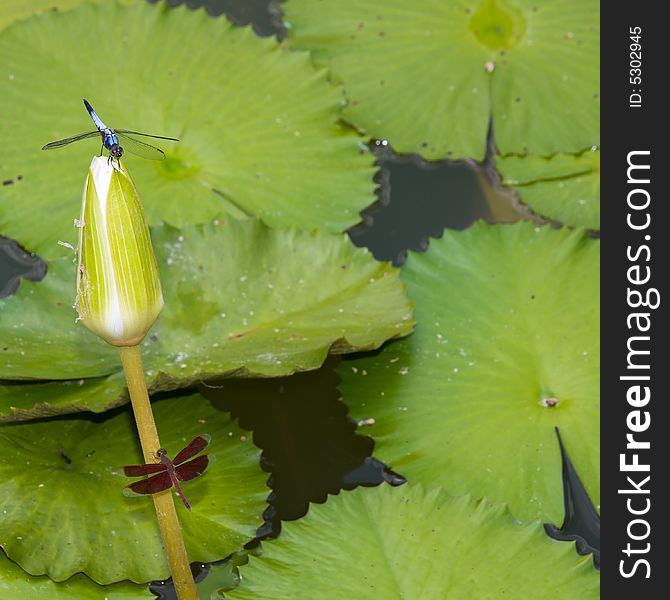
[[30, 400], [506, 348], [258, 125], [240, 299], [428, 76], [15, 10], [564, 187], [407, 543], [63, 510], [16, 584]]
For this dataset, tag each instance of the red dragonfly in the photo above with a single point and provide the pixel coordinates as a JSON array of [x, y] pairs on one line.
[[167, 473]]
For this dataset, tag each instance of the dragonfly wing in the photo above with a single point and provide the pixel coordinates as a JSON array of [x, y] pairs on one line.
[[140, 148], [158, 137], [142, 470], [192, 468], [197, 444], [74, 138], [152, 485]]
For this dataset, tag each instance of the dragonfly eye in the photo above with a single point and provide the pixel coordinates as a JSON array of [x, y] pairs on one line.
[[161, 452], [116, 151]]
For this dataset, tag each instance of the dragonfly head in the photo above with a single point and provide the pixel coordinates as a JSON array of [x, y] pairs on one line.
[[116, 151], [161, 452]]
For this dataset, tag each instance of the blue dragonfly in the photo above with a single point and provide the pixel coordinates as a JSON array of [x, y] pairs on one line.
[[110, 140]]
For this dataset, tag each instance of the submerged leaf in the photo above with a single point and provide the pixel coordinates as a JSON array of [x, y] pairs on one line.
[[407, 543], [506, 348]]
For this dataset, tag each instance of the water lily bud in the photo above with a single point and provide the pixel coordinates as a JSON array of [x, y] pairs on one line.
[[118, 290]]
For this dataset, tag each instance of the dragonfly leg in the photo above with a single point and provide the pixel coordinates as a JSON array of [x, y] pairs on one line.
[[110, 161], [101, 149]]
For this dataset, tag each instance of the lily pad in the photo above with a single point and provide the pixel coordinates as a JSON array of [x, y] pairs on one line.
[[429, 76], [241, 299], [563, 187], [15, 10], [61, 488], [506, 348], [258, 125], [21, 401], [411, 543], [16, 584]]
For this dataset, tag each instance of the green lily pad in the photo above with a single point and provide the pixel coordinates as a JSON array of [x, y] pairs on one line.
[[506, 348], [20, 401], [16, 584], [15, 10], [63, 510], [257, 123], [428, 76], [241, 299], [407, 543], [563, 187]]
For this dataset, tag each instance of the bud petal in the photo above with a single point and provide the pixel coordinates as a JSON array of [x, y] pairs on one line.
[[118, 290]]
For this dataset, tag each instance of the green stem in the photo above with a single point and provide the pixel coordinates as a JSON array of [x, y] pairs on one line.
[[173, 542]]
